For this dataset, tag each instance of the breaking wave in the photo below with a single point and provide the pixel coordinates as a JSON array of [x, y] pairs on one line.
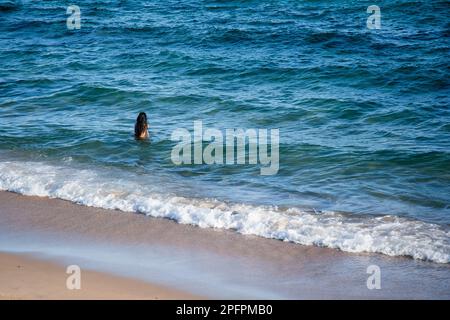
[[390, 235]]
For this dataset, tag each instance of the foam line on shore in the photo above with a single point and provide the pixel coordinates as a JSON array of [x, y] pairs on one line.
[[390, 235]]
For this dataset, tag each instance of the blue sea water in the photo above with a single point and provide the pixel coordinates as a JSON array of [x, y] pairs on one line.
[[364, 115]]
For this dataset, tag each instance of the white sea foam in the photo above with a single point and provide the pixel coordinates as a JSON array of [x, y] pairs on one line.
[[390, 235]]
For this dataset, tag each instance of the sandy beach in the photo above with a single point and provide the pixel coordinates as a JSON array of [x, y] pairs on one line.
[[131, 256], [24, 277]]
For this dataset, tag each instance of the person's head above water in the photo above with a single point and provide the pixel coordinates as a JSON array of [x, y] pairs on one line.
[[141, 126]]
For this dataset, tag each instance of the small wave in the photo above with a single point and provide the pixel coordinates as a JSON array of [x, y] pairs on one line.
[[9, 5], [390, 235]]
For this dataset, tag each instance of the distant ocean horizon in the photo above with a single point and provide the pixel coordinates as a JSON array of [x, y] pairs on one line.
[[363, 115]]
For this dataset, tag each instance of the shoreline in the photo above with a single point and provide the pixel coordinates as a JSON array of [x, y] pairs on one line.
[[214, 263], [115, 190], [24, 277]]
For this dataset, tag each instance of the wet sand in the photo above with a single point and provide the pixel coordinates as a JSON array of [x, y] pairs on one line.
[[22, 277], [201, 262]]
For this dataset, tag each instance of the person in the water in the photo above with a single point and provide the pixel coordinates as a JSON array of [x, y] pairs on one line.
[[141, 126]]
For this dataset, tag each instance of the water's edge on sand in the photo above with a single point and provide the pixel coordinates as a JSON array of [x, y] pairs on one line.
[[206, 262], [23, 276]]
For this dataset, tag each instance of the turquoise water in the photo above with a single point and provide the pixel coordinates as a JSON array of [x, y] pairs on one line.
[[363, 114]]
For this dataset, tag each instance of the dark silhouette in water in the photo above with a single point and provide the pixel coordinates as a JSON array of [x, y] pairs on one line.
[[141, 126]]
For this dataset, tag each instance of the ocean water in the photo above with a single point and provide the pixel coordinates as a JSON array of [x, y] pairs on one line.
[[364, 115]]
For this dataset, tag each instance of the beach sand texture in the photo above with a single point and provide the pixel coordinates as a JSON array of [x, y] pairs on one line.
[[158, 258]]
